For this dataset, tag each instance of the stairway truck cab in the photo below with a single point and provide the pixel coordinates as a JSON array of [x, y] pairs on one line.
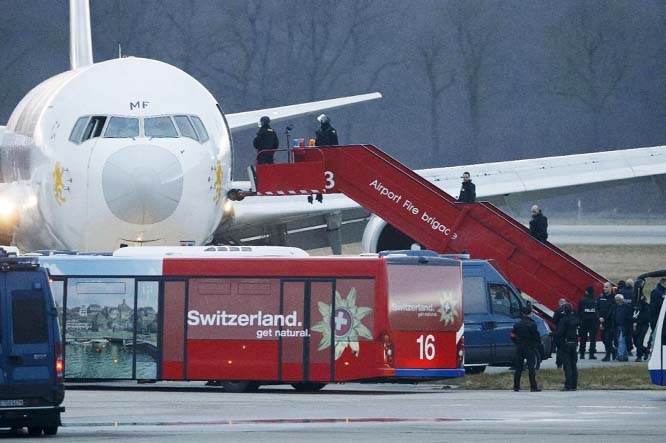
[[492, 305], [31, 363]]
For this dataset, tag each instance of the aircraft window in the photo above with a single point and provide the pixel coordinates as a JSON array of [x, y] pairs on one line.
[[201, 129], [185, 127], [94, 127], [159, 127], [77, 131], [122, 127]]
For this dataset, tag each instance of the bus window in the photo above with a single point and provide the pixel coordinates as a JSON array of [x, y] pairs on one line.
[[503, 301], [159, 127], [185, 127], [474, 298], [147, 314], [122, 127], [201, 129], [99, 328]]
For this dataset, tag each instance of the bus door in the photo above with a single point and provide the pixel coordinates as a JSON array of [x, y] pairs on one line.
[[303, 358]]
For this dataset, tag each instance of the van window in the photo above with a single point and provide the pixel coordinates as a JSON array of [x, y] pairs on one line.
[[503, 300], [474, 298], [29, 317]]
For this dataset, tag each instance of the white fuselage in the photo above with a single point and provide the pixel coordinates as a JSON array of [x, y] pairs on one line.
[[94, 190]]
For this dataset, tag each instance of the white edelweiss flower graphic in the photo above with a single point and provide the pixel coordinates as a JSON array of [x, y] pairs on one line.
[[447, 308], [346, 320]]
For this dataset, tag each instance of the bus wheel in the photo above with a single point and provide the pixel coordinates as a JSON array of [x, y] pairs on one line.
[[308, 387], [50, 430], [34, 430], [474, 369], [239, 386]]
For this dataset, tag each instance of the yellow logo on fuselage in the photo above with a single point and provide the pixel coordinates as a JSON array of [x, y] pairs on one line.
[[58, 184], [218, 182]]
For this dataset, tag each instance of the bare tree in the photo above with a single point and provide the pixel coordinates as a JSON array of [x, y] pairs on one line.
[[476, 27], [591, 54]]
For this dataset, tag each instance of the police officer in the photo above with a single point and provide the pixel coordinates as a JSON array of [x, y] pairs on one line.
[[589, 322], [567, 330], [526, 337], [604, 306], [326, 134], [467, 190], [266, 138], [557, 316]]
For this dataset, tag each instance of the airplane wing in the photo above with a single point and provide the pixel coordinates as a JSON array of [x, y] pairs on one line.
[[243, 120], [258, 218]]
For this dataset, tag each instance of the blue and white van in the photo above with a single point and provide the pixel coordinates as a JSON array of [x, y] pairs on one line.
[[31, 363], [492, 306]]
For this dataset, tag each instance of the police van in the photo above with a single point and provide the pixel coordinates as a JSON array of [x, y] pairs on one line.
[[492, 306], [31, 363]]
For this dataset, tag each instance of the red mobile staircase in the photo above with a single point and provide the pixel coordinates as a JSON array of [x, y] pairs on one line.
[[432, 217]]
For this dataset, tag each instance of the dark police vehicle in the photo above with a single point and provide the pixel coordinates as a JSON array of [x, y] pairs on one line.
[[31, 363]]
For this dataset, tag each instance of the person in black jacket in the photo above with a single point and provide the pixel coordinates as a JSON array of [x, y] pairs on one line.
[[640, 327], [266, 138], [589, 322], [604, 305], [526, 337], [567, 332], [557, 316], [621, 318], [539, 224], [326, 134], [467, 190]]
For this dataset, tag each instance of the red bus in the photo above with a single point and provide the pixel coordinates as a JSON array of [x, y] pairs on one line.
[[250, 321]]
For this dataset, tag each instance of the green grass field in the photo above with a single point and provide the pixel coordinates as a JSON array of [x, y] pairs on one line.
[[621, 376]]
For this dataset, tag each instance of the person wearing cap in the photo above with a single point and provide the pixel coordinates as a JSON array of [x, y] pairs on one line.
[[621, 317], [605, 303], [266, 139], [567, 334], [538, 224], [467, 190], [526, 337], [326, 134], [589, 322]]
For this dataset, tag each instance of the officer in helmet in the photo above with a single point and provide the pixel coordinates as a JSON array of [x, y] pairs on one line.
[[526, 337], [266, 139], [326, 134]]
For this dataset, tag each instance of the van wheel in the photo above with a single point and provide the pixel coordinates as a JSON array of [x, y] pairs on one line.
[[34, 430], [239, 386], [308, 387], [50, 430], [471, 370]]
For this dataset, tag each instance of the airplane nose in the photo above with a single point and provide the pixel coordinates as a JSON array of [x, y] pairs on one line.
[[142, 184]]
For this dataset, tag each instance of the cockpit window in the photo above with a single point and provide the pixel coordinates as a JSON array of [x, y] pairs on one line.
[[122, 127], [201, 129], [185, 127], [86, 128], [159, 127], [77, 131]]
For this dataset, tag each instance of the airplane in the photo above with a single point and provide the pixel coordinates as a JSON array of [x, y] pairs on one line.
[[135, 151]]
